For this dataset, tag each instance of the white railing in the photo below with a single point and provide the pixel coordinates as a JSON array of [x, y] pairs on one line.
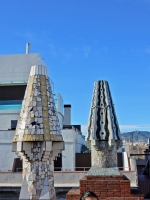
[[73, 169], [68, 169]]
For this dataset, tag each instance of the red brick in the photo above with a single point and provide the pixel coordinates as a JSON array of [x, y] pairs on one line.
[[103, 194], [105, 187], [110, 194]]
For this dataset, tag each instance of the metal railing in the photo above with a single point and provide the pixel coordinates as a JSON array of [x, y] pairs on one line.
[[72, 169], [87, 168]]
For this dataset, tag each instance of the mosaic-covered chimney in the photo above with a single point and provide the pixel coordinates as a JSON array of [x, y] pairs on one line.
[[103, 134], [38, 139]]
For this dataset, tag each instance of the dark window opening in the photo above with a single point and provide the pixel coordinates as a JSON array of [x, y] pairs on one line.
[[13, 124], [14, 92], [58, 163], [17, 166]]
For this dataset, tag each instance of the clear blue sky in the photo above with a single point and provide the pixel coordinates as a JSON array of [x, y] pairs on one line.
[[83, 41]]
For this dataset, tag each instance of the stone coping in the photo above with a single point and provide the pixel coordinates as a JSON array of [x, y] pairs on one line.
[[98, 171]]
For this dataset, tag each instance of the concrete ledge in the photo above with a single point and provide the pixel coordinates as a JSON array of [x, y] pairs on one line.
[[61, 179], [12, 112]]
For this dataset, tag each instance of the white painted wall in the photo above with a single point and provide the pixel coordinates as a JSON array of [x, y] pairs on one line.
[[6, 154], [126, 149], [61, 179], [68, 155], [125, 155], [73, 141], [134, 167], [132, 176], [133, 163], [6, 116], [125, 161], [17, 67]]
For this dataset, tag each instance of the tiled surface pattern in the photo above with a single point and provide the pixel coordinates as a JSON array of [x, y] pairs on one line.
[[38, 138], [103, 134], [38, 176], [103, 124], [38, 119], [106, 188]]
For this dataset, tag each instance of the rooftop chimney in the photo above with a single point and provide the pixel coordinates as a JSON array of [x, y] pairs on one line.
[[27, 48], [67, 114]]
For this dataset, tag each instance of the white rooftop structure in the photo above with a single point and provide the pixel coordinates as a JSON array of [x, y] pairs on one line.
[[15, 68], [14, 72]]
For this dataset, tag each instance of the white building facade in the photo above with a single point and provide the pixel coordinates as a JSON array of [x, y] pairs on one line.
[[14, 74]]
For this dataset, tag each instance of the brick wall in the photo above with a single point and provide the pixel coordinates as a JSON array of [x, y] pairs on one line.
[[106, 188]]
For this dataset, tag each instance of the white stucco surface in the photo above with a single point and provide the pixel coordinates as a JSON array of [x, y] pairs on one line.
[[131, 175], [6, 154], [17, 67], [6, 117], [61, 179], [134, 168], [126, 149], [68, 156], [73, 142], [133, 163], [125, 161], [67, 179]]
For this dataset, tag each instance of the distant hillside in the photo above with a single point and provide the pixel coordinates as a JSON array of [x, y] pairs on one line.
[[139, 136]]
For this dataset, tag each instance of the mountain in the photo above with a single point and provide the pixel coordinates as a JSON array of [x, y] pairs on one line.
[[138, 136]]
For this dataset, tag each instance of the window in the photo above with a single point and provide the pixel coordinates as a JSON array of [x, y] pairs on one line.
[[13, 124]]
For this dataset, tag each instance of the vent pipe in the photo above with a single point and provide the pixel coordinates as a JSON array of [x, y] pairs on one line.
[[27, 48]]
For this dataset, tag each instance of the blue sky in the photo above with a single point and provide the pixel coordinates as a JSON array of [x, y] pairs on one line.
[[83, 41]]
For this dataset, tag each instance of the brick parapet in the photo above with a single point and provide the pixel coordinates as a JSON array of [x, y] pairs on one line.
[[106, 188]]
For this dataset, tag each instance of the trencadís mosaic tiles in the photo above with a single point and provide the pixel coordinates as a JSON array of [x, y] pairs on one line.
[[38, 139], [38, 119]]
